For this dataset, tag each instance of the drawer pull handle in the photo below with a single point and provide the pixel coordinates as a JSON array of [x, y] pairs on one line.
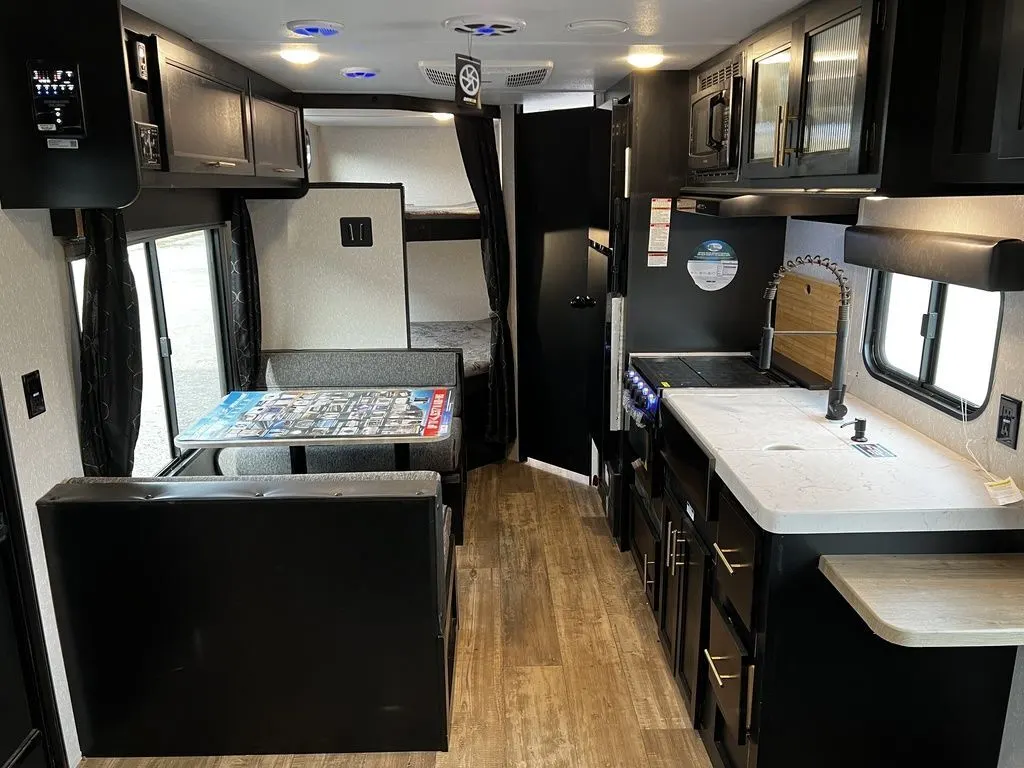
[[285, 170], [720, 679], [725, 561], [221, 164], [647, 582], [670, 550]]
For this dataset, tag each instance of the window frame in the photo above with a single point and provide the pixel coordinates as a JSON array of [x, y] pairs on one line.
[[922, 387], [215, 249]]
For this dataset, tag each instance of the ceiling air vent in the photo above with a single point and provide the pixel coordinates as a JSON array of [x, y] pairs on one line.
[[498, 75], [485, 26]]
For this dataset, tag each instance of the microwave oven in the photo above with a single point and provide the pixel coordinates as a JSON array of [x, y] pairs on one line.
[[715, 118]]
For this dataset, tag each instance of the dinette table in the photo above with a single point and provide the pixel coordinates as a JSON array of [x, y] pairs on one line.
[[398, 416]]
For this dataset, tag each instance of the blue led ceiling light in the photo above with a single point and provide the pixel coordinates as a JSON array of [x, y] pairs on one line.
[[314, 28], [359, 73], [484, 26]]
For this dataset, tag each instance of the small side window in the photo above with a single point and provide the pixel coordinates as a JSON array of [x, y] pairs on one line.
[[935, 341]]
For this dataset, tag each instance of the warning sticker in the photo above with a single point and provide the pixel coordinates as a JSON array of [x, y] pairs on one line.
[[657, 259], [713, 265], [659, 239], [661, 225]]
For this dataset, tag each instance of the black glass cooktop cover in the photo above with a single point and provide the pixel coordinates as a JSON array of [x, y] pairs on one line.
[[725, 372]]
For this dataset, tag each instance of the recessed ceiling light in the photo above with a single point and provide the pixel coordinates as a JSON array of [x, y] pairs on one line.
[[442, 117], [314, 28], [299, 54], [598, 27], [485, 26], [645, 57], [359, 73]]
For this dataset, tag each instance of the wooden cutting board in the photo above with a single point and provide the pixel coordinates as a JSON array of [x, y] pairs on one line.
[[807, 304]]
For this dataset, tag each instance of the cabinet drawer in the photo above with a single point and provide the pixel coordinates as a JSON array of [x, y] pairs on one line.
[[729, 669], [736, 554]]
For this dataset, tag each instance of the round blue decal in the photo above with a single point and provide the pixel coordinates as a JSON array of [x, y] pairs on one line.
[[713, 265]]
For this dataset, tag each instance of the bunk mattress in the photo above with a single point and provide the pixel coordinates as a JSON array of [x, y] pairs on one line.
[[473, 338]]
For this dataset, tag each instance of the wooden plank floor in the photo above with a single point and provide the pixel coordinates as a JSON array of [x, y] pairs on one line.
[[558, 658]]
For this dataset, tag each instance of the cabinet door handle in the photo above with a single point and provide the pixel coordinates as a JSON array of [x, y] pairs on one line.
[[670, 551], [725, 560], [680, 539], [285, 170], [719, 678], [780, 127], [221, 164], [647, 582]]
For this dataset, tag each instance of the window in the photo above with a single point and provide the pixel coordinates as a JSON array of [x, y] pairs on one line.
[[933, 340], [182, 362]]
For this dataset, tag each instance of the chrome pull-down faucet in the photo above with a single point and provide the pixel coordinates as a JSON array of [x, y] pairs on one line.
[[837, 394]]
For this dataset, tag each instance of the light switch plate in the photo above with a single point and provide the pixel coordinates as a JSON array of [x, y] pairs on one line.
[[1008, 424], [357, 232], [33, 386]]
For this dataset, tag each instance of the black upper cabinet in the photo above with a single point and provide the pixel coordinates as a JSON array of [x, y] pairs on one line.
[[277, 140], [206, 115], [807, 93], [840, 95], [773, 99], [980, 130]]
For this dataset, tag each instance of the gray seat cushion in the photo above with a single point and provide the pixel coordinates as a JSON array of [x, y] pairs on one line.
[[441, 457], [326, 368]]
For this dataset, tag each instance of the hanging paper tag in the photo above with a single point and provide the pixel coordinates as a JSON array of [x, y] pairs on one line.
[[1004, 492]]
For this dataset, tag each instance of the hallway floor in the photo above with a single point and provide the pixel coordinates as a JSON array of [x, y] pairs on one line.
[[558, 658]]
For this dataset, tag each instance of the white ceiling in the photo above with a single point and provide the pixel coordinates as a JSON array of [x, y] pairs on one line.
[[394, 35]]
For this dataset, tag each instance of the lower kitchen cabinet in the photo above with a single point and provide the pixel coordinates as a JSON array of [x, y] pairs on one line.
[[683, 619], [778, 671], [645, 545]]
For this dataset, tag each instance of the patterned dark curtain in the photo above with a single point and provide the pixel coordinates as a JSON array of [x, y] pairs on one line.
[[480, 157], [244, 284], [111, 364]]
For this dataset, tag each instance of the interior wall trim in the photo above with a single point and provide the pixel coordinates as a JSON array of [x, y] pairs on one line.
[[393, 101], [26, 611]]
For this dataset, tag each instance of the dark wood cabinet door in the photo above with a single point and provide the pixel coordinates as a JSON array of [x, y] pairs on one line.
[[773, 98], [826, 138], [673, 561], [1011, 86], [645, 547], [277, 140], [206, 114]]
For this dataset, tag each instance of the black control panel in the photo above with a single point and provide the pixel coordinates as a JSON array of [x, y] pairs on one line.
[[56, 98]]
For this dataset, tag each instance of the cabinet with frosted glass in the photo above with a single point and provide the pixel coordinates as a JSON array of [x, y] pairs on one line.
[[807, 100]]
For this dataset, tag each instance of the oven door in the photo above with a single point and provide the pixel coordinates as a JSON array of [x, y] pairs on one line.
[[709, 122]]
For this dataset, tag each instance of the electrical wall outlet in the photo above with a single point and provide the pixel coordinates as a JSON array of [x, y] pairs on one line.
[[1008, 425]]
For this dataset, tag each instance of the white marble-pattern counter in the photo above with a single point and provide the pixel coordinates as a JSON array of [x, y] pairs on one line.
[[828, 486]]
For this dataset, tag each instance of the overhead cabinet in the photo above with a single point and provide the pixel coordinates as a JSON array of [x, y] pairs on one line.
[[807, 82], [980, 126], [837, 95], [206, 115], [278, 139]]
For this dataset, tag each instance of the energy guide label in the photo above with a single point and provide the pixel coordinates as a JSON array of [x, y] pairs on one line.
[[713, 265]]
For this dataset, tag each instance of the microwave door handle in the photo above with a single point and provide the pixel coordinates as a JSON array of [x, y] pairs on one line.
[[716, 101]]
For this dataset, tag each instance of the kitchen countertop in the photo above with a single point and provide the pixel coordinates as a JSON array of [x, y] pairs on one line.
[[829, 486]]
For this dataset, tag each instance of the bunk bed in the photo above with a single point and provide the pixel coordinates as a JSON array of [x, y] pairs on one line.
[[473, 338], [453, 222]]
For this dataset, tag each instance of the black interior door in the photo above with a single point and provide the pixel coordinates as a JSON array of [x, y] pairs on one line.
[[560, 177], [29, 732]]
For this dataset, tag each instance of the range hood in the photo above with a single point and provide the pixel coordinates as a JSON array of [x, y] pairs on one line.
[[986, 263], [839, 209]]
